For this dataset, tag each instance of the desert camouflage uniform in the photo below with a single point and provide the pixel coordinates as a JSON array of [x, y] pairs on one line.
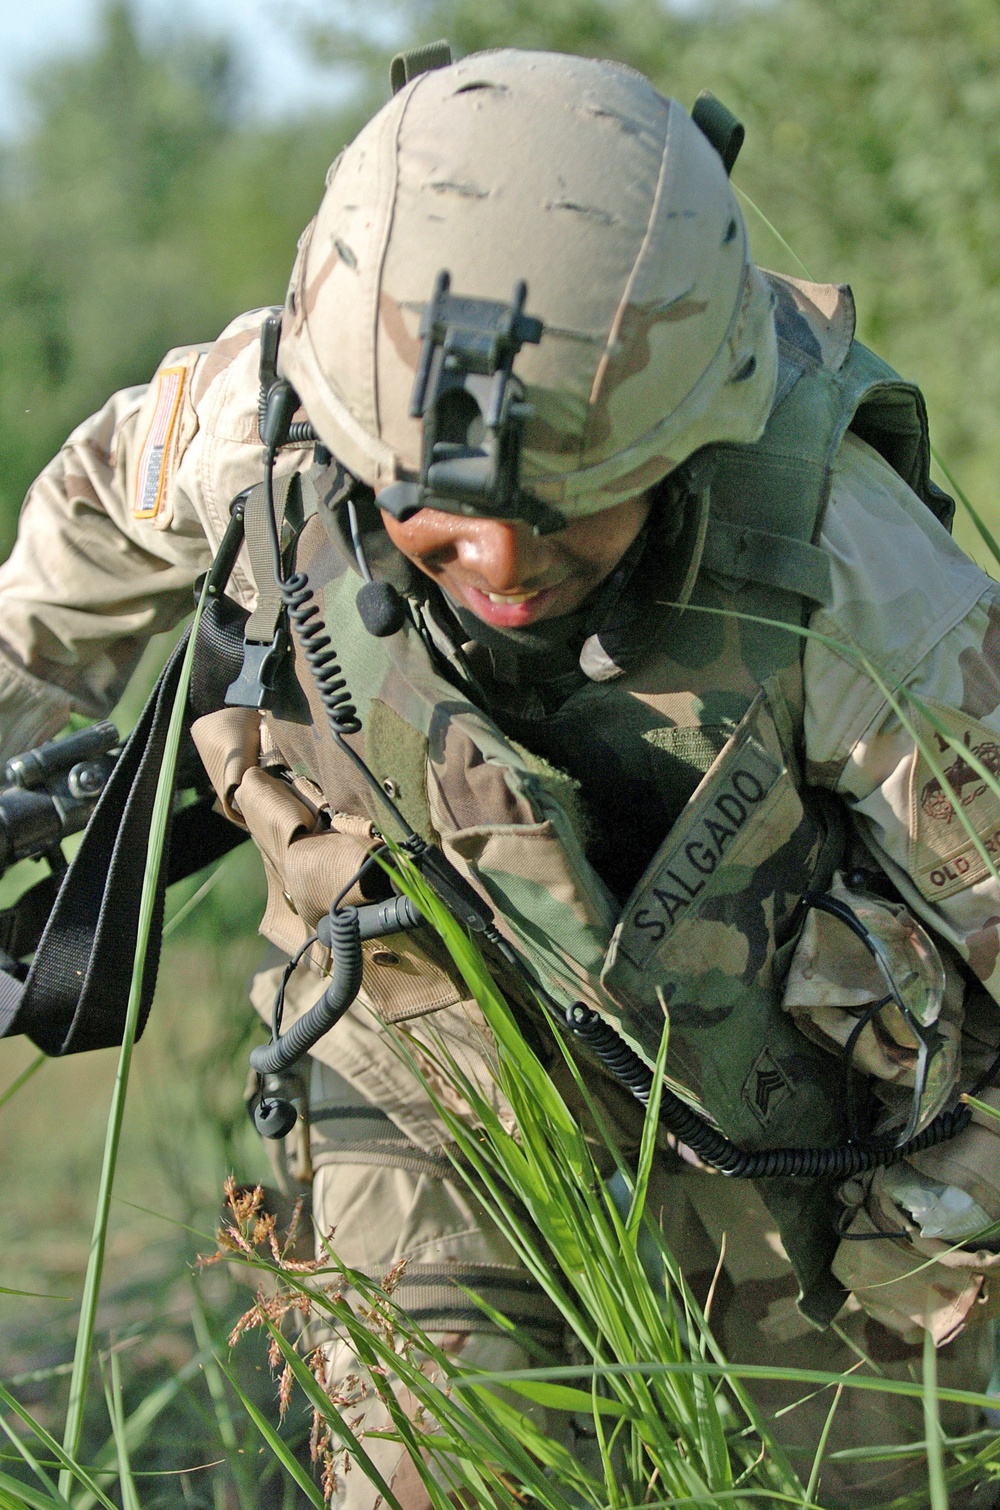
[[112, 537]]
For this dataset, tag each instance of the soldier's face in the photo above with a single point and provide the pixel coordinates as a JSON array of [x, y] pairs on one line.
[[506, 575]]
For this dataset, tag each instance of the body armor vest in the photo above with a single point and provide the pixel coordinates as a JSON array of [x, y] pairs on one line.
[[714, 700]]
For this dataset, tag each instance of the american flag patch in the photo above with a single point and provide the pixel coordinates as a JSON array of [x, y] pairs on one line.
[[151, 474]]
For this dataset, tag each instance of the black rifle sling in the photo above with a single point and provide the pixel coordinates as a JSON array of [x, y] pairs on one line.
[[77, 989], [76, 994]]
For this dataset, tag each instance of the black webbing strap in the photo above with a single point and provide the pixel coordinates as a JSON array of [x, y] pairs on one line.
[[75, 996], [76, 993], [199, 837]]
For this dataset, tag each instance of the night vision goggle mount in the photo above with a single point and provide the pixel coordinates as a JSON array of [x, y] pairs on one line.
[[473, 410]]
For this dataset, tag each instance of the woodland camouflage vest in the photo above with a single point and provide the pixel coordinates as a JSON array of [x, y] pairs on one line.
[[715, 689]]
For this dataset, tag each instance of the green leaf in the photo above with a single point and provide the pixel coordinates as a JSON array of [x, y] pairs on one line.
[[984, 532], [14, 1496], [31, 1294], [932, 1428], [650, 1128], [140, 1422], [562, 1397], [981, 1106], [28, 1457], [902, 1387], [824, 1437], [116, 1411], [70, 1467], [17, 1083], [278, 1446], [774, 232]]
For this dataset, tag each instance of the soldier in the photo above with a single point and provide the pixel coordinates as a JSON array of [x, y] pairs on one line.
[[603, 506]]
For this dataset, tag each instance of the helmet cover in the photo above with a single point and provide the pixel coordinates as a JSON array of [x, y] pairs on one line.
[[576, 176]]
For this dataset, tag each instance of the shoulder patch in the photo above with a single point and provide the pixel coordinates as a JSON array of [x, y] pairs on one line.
[[153, 471], [944, 859]]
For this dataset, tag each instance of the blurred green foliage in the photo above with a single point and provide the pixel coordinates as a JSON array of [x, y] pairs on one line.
[[139, 211], [143, 209]]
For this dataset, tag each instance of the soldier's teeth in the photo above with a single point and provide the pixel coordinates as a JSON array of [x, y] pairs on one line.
[[512, 597]]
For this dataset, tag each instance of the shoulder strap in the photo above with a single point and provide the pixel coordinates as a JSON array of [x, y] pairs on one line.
[[768, 499], [266, 679]]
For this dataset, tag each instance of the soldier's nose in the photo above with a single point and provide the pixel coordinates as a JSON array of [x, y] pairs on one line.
[[502, 554]]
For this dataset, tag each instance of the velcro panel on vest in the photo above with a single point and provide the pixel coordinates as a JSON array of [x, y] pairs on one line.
[[397, 754]]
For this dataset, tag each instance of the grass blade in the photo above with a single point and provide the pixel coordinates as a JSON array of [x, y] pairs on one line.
[[647, 1150], [70, 1468], [982, 529], [22, 1079], [31, 1294], [116, 1411], [932, 1429], [213, 1378], [280, 1448], [25, 1452], [980, 1106], [193, 901], [15, 1496], [824, 1436], [138, 1424], [319, 1401], [95, 1267], [774, 232]]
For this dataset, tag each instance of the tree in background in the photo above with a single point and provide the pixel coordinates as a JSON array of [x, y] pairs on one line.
[[138, 212]]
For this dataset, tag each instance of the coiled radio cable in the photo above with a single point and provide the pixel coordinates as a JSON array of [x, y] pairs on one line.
[[319, 654], [716, 1149]]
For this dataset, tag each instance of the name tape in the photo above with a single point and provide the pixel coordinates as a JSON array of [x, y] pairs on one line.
[[685, 865]]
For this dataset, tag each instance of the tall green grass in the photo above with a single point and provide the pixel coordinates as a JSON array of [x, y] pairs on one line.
[[673, 1421]]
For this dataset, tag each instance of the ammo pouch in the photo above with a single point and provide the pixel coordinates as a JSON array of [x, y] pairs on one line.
[[697, 945]]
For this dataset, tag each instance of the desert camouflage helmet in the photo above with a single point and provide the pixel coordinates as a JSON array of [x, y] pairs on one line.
[[577, 177]]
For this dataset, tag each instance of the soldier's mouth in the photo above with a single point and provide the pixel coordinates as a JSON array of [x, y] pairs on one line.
[[509, 610]]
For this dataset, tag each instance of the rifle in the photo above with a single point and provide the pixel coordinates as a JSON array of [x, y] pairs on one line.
[[47, 794]]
